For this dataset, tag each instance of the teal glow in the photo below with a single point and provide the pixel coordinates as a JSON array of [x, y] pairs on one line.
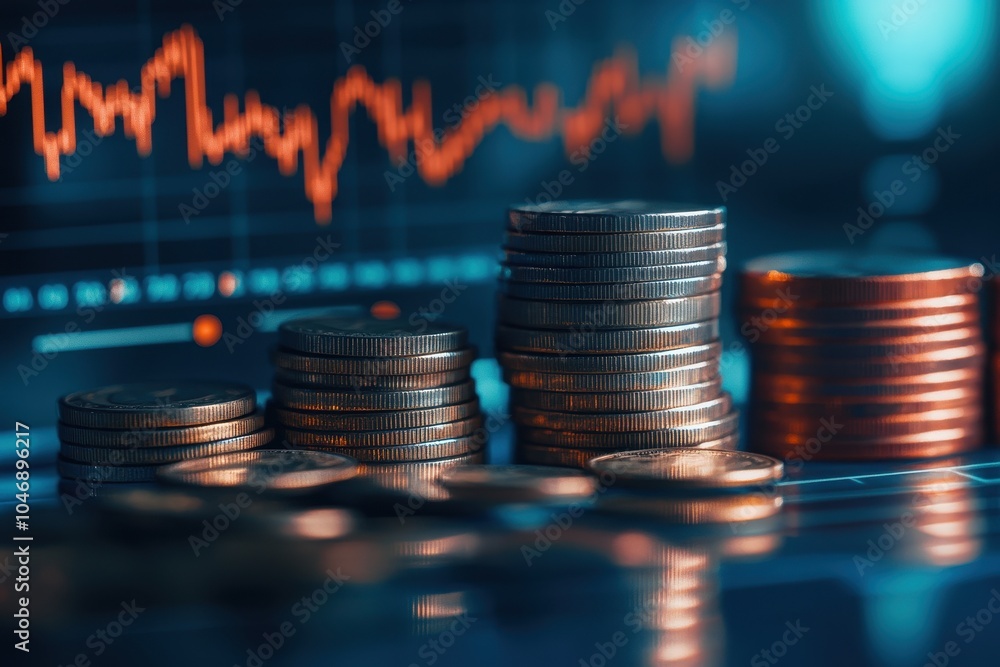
[[53, 297], [909, 56]]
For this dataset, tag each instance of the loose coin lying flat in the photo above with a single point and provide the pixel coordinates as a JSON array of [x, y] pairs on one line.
[[263, 469], [517, 484], [148, 405], [685, 468]]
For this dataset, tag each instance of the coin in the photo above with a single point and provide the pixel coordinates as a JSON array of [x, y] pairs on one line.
[[686, 415], [417, 452], [517, 484], [677, 436], [929, 444], [263, 470], [777, 328], [663, 289], [395, 437], [592, 339], [589, 242], [638, 362], [413, 365], [374, 421], [829, 277], [729, 508], [164, 437], [299, 398], [582, 382], [686, 468], [612, 216], [369, 337], [915, 341], [371, 382], [598, 260], [948, 359], [625, 274], [868, 312], [608, 314], [632, 401], [168, 454], [870, 388], [419, 479], [531, 453], [99, 474], [146, 405], [798, 406], [889, 425]]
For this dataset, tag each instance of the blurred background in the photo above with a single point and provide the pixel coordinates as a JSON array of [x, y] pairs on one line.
[[852, 124]]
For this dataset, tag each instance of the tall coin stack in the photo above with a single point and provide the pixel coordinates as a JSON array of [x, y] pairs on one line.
[[995, 289], [395, 397], [864, 356], [123, 433], [608, 329]]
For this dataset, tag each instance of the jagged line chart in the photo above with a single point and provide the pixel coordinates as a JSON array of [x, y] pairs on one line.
[[614, 88]]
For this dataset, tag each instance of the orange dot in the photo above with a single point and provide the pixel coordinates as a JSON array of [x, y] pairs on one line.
[[227, 283], [385, 310], [206, 330]]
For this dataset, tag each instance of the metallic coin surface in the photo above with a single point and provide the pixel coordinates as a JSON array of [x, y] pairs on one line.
[[423, 451], [624, 274], [583, 382], [400, 365], [409, 436], [263, 470], [547, 455], [729, 508], [680, 436], [611, 216], [371, 382], [638, 362], [161, 455], [598, 260], [418, 479], [369, 337], [828, 277], [99, 474], [930, 444], [374, 421], [662, 289], [157, 405], [606, 341], [870, 388], [686, 415], [632, 401], [687, 468], [608, 314], [778, 328], [660, 240], [913, 342], [517, 484], [163, 437], [859, 313], [299, 398]]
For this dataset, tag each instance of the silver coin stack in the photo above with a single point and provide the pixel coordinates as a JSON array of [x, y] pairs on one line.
[[124, 433], [608, 329], [397, 398]]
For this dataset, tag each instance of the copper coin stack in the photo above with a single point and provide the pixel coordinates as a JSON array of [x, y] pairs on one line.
[[124, 433], [397, 398], [608, 329], [863, 356], [995, 285]]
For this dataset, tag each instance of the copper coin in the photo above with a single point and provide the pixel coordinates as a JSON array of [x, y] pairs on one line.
[[423, 451], [930, 444], [394, 437], [796, 407], [868, 427], [869, 387], [373, 421], [687, 468], [865, 312], [162, 455], [775, 327], [162, 437], [517, 484], [923, 341], [263, 469]]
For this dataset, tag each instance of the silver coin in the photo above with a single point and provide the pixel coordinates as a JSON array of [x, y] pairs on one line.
[[608, 314], [616, 422], [626, 401], [664, 289], [263, 470], [440, 362], [668, 240], [676, 436], [409, 436], [369, 337], [373, 421], [584, 382], [606, 341], [300, 398], [597, 260], [612, 216], [517, 484], [638, 362], [624, 274], [162, 455]]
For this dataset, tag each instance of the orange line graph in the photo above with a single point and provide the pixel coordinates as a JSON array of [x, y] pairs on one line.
[[614, 87]]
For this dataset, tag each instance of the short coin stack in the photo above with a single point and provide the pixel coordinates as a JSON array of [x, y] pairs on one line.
[[608, 329], [392, 396], [864, 356], [123, 433]]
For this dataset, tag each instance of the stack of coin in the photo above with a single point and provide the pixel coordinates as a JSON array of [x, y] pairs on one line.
[[608, 329], [123, 433], [995, 289], [863, 356], [396, 397]]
